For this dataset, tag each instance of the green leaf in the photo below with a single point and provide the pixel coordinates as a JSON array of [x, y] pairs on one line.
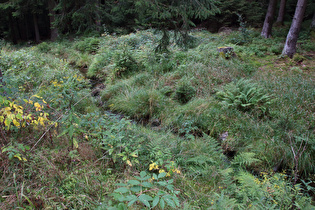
[[169, 200], [143, 174], [110, 151], [122, 206], [19, 116], [145, 199], [63, 133], [134, 154], [121, 184], [176, 200], [71, 131], [75, 143], [162, 183], [170, 187], [161, 175], [131, 199], [133, 182], [122, 190], [155, 201], [155, 176], [147, 184], [132, 202], [161, 192], [162, 203], [135, 189]]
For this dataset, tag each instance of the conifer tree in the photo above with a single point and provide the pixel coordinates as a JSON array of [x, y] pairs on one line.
[[281, 12], [266, 31], [174, 14]]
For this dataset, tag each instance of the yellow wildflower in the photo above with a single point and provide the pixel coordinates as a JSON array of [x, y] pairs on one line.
[[153, 166], [161, 171], [38, 106]]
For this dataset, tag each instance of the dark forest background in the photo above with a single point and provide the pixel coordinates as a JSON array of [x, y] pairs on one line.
[[48, 19]]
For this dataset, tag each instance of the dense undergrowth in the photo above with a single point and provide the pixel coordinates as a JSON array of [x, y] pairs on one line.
[[192, 129]]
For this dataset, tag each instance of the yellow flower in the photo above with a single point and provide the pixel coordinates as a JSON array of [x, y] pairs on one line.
[[16, 123], [38, 106], [161, 171], [153, 166], [176, 171]]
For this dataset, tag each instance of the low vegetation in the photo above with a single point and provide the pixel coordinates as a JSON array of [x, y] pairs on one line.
[[108, 123]]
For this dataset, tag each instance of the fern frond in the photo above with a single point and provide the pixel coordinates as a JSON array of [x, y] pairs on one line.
[[245, 96], [245, 159]]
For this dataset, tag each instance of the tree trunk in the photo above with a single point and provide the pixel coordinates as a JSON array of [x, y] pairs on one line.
[[313, 22], [13, 30], [281, 12], [52, 16], [266, 31], [2, 82], [37, 36], [292, 37]]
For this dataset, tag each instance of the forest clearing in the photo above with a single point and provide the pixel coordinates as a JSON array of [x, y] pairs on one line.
[[159, 119]]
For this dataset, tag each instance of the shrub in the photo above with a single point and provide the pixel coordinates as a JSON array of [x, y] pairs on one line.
[[125, 65], [147, 190], [115, 137], [44, 47], [100, 65], [2, 43]]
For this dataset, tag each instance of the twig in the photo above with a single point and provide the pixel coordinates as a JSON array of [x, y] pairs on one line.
[[5, 140]]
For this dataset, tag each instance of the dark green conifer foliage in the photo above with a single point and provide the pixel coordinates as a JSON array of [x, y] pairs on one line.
[[78, 16], [174, 14], [252, 11]]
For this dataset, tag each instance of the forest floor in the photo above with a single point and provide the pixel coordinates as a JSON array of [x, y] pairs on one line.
[[189, 128]]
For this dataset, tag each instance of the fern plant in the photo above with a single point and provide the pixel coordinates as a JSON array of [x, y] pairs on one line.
[[245, 96], [202, 157], [245, 159]]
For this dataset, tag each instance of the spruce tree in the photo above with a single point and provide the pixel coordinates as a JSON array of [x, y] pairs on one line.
[[174, 14]]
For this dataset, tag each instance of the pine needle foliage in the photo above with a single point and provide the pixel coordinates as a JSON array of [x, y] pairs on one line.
[[178, 15]]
